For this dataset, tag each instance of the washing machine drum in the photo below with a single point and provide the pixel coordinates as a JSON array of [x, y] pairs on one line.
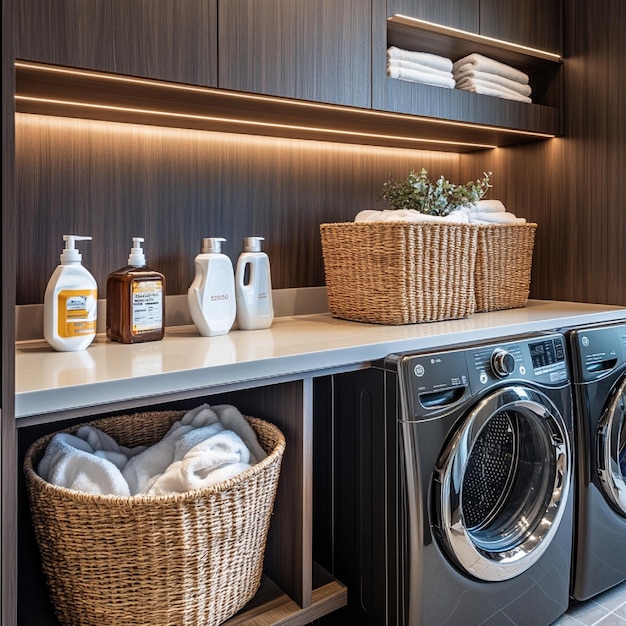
[[611, 449], [502, 484]]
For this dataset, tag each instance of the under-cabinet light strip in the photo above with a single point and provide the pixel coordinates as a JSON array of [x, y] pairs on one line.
[[269, 99], [238, 122]]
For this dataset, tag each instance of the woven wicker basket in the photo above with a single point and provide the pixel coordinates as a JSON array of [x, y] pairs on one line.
[[399, 273], [503, 264], [190, 558]]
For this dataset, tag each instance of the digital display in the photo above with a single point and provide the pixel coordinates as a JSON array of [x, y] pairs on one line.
[[543, 353]]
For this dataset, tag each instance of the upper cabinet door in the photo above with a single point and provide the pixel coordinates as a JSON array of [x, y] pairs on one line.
[[462, 14], [533, 23], [174, 40], [316, 50]]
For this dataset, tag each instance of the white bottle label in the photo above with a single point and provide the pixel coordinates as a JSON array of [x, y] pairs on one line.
[[77, 312], [147, 306]]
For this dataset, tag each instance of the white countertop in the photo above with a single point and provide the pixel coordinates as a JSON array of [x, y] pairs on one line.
[[106, 373]]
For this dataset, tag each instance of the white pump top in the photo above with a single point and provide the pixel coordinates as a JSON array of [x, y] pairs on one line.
[[70, 254], [252, 244], [137, 258], [212, 245]]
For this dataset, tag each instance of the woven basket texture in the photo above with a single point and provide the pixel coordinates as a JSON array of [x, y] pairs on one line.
[[193, 558], [503, 266], [399, 273]]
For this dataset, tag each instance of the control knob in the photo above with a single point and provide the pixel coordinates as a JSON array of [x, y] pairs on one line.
[[502, 363]]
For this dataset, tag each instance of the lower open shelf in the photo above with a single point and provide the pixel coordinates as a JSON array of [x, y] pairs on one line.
[[272, 606]]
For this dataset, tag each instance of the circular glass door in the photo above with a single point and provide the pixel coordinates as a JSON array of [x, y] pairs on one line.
[[502, 484], [611, 450]]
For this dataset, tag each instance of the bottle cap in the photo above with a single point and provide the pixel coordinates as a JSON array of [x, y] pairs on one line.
[[252, 244], [212, 245], [137, 258], [70, 254]]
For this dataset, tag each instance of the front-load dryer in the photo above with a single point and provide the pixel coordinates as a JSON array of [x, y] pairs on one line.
[[599, 384], [446, 476]]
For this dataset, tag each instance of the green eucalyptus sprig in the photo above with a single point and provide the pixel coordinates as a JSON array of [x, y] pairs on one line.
[[440, 198]]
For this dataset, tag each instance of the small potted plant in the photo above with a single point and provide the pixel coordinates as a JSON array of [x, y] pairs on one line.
[[440, 198]]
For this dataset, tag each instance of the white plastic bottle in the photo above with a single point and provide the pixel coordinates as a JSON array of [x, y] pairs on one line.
[[253, 284], [70, 302], [211, 296]]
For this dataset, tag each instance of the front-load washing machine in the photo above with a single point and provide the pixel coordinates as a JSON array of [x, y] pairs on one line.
[[443, 495], [599, 384]]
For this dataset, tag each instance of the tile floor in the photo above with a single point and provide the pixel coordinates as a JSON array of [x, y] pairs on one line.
[[606, 609]]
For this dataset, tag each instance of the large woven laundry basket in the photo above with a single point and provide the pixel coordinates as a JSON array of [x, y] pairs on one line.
[[399, 273], [503, 266], [192, 558]]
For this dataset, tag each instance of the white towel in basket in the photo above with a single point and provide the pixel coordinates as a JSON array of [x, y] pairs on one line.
[[207, 445], [219, 457], [71, 462]]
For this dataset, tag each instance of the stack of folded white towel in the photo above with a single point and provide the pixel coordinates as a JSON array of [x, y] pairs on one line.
[[489, 77], [420, 67], [208, 445], [481, 212]]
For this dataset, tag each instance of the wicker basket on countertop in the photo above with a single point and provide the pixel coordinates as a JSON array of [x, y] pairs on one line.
[[185, 558], [503, 266], [399, 272]]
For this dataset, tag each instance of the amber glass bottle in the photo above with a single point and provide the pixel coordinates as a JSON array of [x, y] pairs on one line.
[[135, 300]]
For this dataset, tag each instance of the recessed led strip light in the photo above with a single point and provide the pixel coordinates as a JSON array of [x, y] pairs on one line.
[[501, 42], [216, 119], [294, 103]]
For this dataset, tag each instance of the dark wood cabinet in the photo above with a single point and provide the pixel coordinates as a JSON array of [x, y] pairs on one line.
[[463, 14], [173, 40], [535, 23], [316, 50]]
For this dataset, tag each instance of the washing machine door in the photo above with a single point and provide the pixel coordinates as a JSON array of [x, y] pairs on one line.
[[611, 449], [502, 484]]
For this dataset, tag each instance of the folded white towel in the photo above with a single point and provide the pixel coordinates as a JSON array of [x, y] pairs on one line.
[[460, 216], [420, 67], [468, 83], [421, 77], [425, 58], [70, 462], [487, 206], [498, 217], [485, 64], [217, 458], [468, 71], [495, 91]]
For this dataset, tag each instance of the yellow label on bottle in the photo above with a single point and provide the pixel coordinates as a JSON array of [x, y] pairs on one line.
[[78, 310]]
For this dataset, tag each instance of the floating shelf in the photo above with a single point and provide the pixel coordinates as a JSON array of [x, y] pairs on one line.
[[67, 92]]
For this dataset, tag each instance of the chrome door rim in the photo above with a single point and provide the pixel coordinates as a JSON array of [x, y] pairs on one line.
[[527, 543], [610, 437]]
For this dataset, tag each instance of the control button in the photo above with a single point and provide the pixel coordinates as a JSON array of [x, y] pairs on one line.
[[502, 363]]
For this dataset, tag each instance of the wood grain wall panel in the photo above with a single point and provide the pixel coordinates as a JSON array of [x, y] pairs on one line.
[[115, 181], [168, 39], [316, 50], [574, 186]]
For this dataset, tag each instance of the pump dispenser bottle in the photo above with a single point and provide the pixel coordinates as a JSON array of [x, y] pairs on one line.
[[135, 300], [70, 302], [211, 296], [253, 285]]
